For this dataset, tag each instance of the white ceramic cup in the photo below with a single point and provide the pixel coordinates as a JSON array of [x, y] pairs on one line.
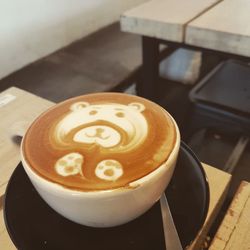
[[108, 207]]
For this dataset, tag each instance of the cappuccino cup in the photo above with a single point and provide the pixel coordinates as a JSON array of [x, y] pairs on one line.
[[101, 159]]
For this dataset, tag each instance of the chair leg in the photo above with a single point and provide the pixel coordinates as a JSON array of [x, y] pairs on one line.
[[236, 154], [148, 80]]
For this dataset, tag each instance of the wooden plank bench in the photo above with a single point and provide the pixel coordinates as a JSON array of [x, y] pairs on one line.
[[234, 231], [219, 182]]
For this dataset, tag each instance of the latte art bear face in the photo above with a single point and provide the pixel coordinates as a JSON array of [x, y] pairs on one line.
[[125, 129], [99, 141], [102, 125]]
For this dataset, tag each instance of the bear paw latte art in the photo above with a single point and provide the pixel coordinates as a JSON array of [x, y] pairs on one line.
[[99, 141]]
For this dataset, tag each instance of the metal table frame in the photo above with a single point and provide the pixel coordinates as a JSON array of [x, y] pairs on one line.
[[149, 76]]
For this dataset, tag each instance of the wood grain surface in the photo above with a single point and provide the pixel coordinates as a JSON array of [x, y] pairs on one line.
[[234, 231], [16, 115], [164, 19], [225, 27], [218, 183]]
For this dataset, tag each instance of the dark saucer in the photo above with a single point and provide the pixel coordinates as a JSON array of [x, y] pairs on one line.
[[32, 224]]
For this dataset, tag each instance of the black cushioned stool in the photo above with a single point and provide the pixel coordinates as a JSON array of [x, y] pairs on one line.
[[221, 101]]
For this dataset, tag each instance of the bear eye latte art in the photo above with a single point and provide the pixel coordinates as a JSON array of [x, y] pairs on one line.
[[99, 141]]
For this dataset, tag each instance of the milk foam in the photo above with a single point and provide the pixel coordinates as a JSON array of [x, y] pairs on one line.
[[99, 141], [120, 121]]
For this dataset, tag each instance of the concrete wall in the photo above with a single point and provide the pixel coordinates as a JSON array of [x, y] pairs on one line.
[[32, 29]]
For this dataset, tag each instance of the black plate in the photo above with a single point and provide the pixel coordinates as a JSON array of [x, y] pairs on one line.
[[32, 224]]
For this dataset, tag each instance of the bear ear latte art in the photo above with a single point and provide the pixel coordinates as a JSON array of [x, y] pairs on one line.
[[99, 141]]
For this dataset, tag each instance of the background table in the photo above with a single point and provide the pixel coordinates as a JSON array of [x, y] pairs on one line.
[[225, 28], [163, 19], [220, 28], [159, 21], [27, 107]]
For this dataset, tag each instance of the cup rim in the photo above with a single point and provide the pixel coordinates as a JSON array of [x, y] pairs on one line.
[[128, 188]]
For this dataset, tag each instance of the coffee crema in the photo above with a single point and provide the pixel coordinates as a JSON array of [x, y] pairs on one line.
[[99, 141]]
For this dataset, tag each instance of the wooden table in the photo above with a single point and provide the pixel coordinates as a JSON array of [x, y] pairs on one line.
[[221, 27], [163, 19], [160, 21], [27, 107], [18, 109], [225, 27], [234, 231]]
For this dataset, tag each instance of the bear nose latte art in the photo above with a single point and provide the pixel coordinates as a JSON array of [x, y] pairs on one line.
[[99, 141]]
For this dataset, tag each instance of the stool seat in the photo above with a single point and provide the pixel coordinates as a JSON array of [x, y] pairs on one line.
[[227, 86], [222, 100]]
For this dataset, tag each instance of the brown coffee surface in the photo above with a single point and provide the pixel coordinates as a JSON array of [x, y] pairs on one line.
[[99, 141]]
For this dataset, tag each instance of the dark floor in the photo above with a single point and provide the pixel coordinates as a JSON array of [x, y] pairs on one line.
[[101, 62]]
